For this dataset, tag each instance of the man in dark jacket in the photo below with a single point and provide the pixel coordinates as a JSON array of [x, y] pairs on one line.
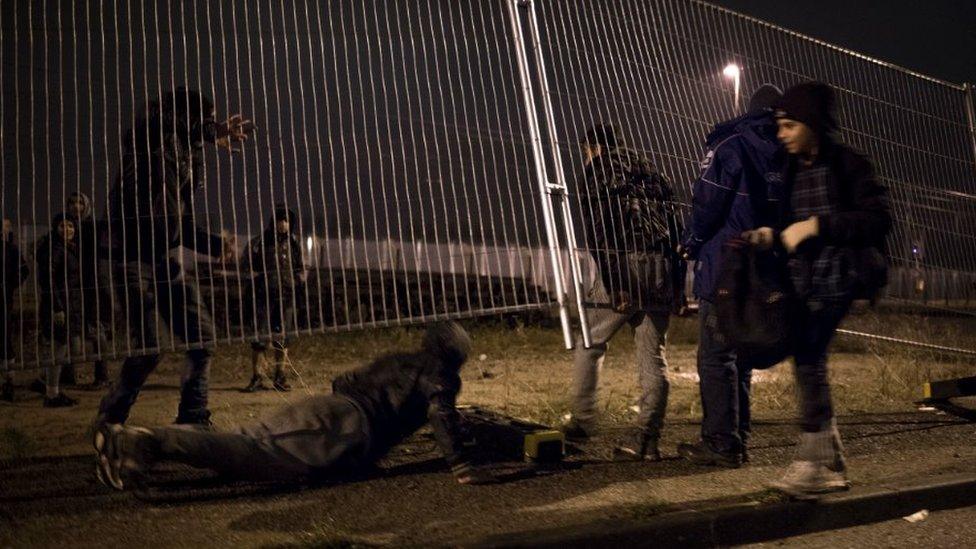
[[93, 278], [631, 229], [739, 182], [15, 272], [832, 222], [371, 409], [275, 258], [151, 214]]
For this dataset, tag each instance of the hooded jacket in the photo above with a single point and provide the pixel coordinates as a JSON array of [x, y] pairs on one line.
[[741, 173], [628, 208], [151, 204], [399, 393], [276, 259]]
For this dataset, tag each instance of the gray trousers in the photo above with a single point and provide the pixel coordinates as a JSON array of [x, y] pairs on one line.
[[311, 438], [650, 337]]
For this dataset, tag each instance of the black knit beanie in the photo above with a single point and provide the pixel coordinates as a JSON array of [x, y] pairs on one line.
[[764, 98], [812, 103]]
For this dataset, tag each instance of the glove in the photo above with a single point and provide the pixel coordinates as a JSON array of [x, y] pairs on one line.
[[761, 238], [798, 232]]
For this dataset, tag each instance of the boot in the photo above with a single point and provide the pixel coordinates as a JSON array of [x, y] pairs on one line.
[[818, 468], [281, 359], [259, 381]]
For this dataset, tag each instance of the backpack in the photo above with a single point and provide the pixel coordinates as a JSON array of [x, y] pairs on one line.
[[754, 305]]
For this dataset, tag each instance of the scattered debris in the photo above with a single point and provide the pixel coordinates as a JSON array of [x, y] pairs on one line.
[[917, 517]]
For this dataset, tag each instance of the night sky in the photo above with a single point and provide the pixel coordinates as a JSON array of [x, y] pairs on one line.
[[935, 37]]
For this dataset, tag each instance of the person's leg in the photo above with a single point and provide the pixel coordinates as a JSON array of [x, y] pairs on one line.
[[53, 396], [650, 339], [719, 389], [745, 408], [280, 350], [309, 438], [604, 322], [189, 319], [117, 402], [259, 363], [819, 465]]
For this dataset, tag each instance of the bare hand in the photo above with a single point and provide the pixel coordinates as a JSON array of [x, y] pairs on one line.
[[761, 238], [622, 301], [234, 130], [797, 233]]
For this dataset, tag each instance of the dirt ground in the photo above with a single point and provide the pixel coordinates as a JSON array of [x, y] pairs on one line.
[[48, 495]]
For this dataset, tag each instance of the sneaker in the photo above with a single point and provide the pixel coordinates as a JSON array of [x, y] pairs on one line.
[[125, 454], [807, 480], [574, 431], [640, 448], [7, 391], [700, 454], [60, 401]]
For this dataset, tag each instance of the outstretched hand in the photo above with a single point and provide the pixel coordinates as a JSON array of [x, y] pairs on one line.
[[235, 129]]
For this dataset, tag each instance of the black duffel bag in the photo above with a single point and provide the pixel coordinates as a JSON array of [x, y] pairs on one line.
[[754, 305]]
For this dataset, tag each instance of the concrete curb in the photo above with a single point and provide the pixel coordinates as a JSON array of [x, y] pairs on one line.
[[755, 522]]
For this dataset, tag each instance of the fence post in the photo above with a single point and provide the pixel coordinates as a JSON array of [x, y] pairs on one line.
[[535, 137], [559, 189]]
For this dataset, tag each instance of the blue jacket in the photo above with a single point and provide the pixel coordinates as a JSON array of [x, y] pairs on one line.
[[742, 154]]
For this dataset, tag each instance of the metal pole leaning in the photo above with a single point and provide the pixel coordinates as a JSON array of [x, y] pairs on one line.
[[560, 189], [540, 168], [971, 117]]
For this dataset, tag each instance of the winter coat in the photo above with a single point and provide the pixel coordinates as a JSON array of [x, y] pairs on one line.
[[857, 229], [741, 173], [276, 262], [627, 210], [400, 393], [151, 204], [59, 281]]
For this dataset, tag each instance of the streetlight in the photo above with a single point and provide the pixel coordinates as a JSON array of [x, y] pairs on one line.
[[734, 72]]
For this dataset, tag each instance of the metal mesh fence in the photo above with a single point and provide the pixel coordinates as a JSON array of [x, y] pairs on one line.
[[410, 142], [392, 131], [654, 70]]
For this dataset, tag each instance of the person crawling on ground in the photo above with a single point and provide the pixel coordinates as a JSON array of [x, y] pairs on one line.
[[371, 409]]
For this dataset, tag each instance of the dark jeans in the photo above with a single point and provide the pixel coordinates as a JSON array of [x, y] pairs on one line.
[[183, 312], [816, 324], [312, 438], [724, 388]]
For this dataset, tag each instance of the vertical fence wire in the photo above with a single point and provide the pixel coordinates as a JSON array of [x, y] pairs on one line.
[[398, 133]]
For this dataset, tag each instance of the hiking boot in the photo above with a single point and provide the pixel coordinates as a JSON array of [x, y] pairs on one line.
[[125, 454], [574, 431], [201, 422], [807, 480], [700, 454], [257, 383], [60, 401], [281, 384], [640, 448]]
